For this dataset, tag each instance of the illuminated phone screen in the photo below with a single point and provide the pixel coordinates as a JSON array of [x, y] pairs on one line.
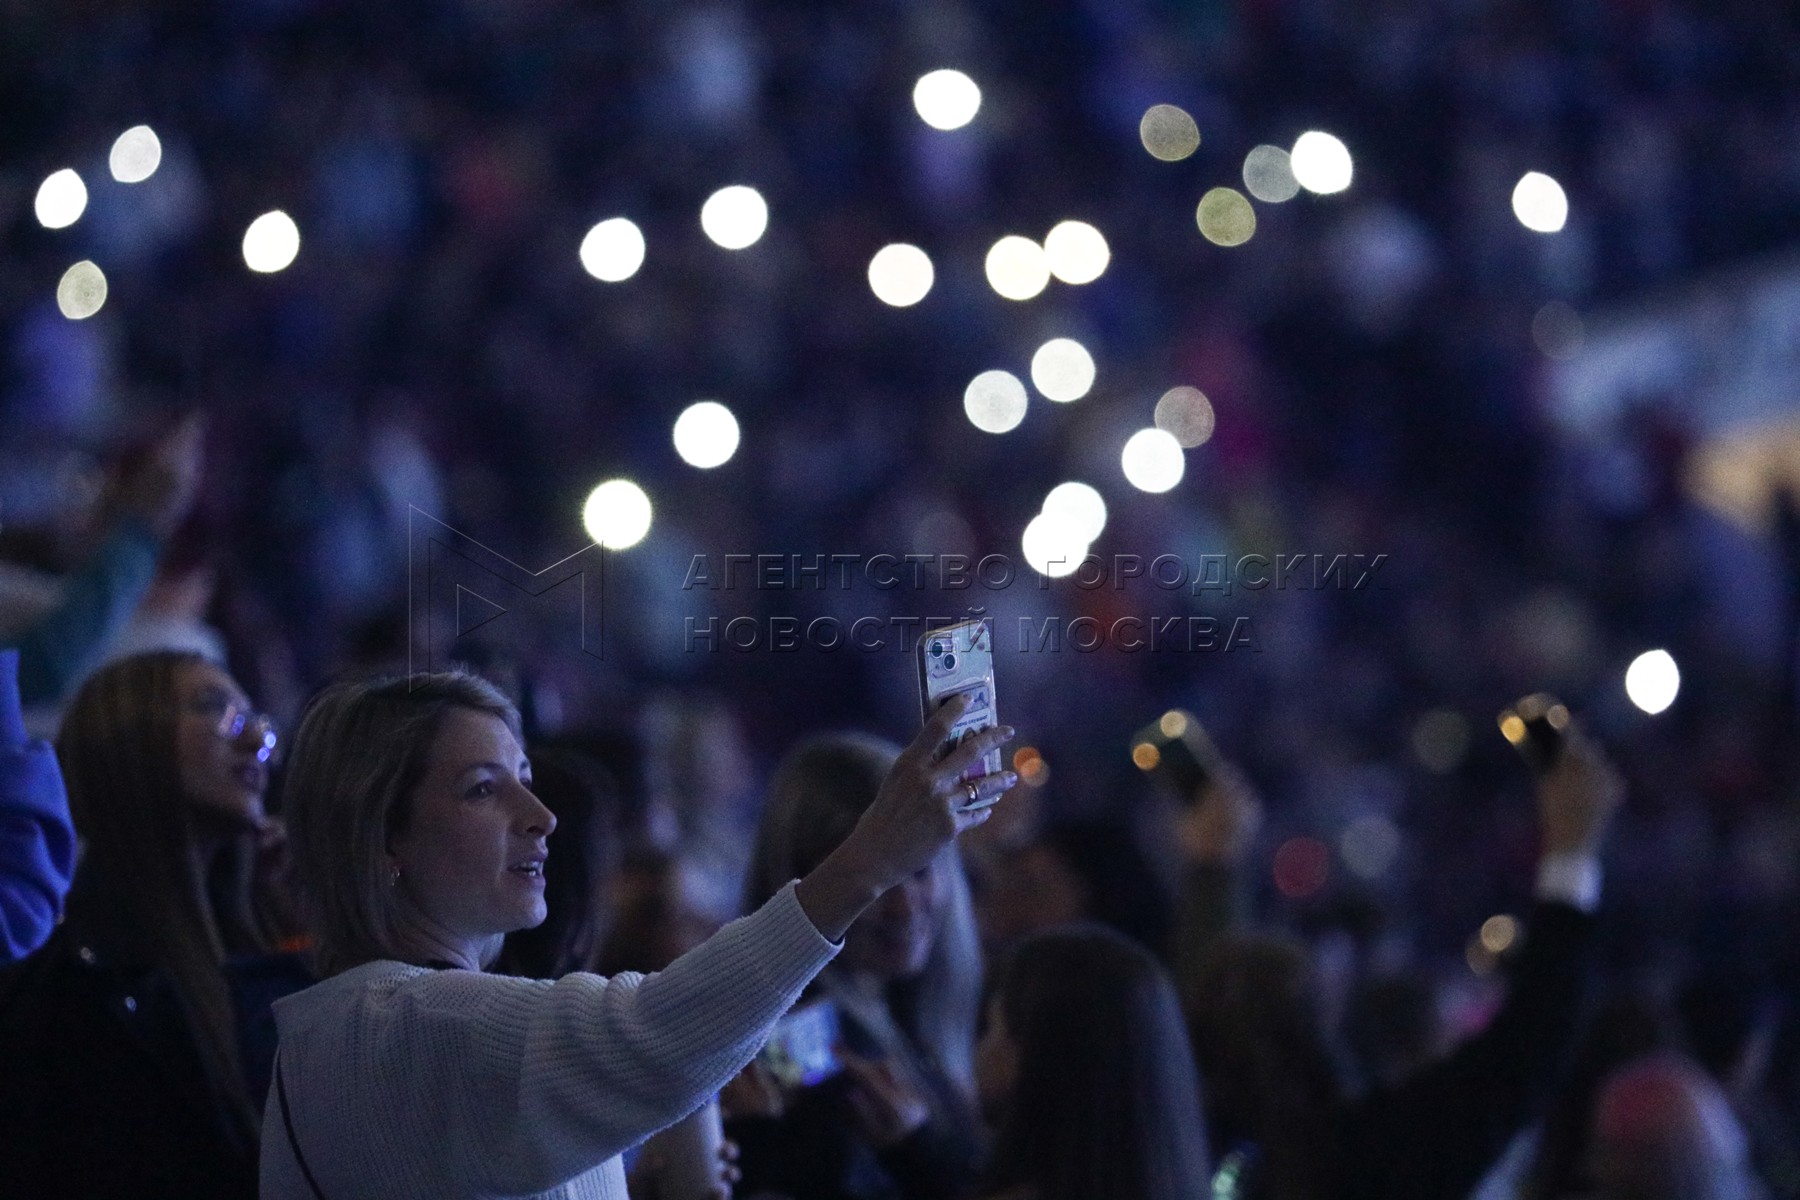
[[802, 1050]]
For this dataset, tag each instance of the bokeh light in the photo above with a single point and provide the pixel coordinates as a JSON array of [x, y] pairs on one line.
[[900, 275], [1481, 960], [1153, 461], [136, 154], [271, 243], [1370, 845], [1076, 252], [995, 401], [61, 199], [1168, 132], [1652, 680], [1079, 506], [1185, 414], [1051, 547], [1498, 933], [1558, 332], [1017, 267], [1321, 163], [706, 434], [81, 291], [1302, 866], [946, 99], [613, 250], [1225, 217], [1269, 175], [617, 514], [1539, 203], [1062, 370], [735, 217]]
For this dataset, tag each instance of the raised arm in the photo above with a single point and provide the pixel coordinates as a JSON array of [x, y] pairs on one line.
[[152, 499], [1467, 1107], [1215, 833], [534, 1082]]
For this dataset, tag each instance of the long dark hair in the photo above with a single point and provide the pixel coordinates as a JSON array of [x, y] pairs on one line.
[[1270, 1074], [1106, 1103], [142, 883]]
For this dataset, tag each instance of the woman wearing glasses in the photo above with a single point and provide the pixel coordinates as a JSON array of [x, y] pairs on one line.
[[137, 1044]]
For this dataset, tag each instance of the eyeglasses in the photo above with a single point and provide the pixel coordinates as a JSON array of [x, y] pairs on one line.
[[230, 720]]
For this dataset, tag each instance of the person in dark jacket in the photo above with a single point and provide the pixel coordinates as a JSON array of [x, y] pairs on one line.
[[138, 1042], [1285, 1126]]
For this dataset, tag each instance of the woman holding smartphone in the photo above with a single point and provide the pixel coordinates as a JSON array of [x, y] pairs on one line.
[[418, 845]]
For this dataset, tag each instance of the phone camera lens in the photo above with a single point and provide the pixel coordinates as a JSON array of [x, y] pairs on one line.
[[949, 662], [938, 648]]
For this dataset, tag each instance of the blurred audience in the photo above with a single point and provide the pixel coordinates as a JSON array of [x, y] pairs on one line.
[[1285, 1121]]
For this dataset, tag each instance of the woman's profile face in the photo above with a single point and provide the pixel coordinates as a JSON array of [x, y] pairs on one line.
[[894, 936], [472, 857], [222, 776]]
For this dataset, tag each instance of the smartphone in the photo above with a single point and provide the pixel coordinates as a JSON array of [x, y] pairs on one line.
[[1534, 726], [802, 1050], [1175, 751], [954, 660]]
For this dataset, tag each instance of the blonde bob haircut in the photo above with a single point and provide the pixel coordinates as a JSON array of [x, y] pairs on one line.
[[360, 753]]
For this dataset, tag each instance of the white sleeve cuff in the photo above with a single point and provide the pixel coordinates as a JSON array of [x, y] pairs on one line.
[[1572, 878]]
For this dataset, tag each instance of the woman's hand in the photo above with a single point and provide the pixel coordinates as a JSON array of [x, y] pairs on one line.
[[889, 1102], [920, 809]]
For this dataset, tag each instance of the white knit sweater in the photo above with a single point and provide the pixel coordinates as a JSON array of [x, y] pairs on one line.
[[409, 1082]]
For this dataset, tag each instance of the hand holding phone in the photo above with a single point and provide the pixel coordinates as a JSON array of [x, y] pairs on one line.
[[959, 660], [1536, 725], [1175, 751]]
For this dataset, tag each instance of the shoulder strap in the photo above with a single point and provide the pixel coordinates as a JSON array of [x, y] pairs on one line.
[[287, 1119]]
